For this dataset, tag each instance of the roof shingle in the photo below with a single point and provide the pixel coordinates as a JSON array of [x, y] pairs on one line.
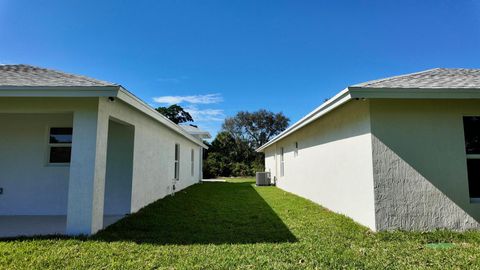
[[31, 76], [454, 78]]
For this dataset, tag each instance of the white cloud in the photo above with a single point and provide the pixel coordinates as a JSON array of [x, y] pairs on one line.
[[205, 115], [194, 99]]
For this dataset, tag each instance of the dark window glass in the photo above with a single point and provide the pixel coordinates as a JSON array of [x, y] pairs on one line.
[[176, 171], [61, 135], [177, 160], [60, 154], [473, 167], [472, 134], [177, 151]]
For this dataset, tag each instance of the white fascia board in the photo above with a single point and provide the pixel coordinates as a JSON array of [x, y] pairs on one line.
[[353, 92], [58, 91], [140, 105], [414, 93], [323, 109]]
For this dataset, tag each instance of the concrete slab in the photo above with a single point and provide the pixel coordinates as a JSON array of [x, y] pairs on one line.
[[14, 226], [214, 180]]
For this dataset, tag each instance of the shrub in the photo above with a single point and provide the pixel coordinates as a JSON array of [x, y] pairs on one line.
[[241, 169]]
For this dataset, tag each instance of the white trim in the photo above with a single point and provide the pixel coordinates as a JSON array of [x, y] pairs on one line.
[[140, 105], [355, 92], [176, 167], [192, 162], [295, 152], [96, 91], [473, 156], [282, 161], [323, 109], [57, 91], [49, 145], [474, 200], [414, 93]]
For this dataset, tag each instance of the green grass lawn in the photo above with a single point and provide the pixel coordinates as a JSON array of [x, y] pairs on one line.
[[237, 225]]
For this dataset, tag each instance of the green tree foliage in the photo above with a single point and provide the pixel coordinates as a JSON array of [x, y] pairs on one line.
[[256, 128], [175, 113], [232, 152]]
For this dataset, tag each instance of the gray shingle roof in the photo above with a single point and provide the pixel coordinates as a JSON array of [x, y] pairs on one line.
[[31, 76], [432, 78]]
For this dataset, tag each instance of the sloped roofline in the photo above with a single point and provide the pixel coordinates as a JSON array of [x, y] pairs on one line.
[[116, 91], [128, 97], [361, 92], [323, 109]]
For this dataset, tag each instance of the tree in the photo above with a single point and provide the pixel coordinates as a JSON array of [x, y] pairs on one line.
[[175, 113], [232, 152], [256, 128], [226, 145]]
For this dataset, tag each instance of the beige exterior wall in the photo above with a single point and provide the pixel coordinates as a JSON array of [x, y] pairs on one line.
[[334, 163], [154, 155], [420, 164], [31, 187]]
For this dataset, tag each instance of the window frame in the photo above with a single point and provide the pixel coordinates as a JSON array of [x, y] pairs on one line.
[[176, 167], [282, 161], [469, 157], [192, 162], [49, 146]]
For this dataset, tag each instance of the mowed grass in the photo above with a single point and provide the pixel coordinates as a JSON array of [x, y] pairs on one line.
[[236, 225]]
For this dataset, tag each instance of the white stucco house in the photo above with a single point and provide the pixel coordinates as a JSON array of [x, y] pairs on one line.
[[395, 153], [77, 153]]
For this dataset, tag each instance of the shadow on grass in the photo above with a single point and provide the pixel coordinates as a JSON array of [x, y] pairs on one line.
[[208, 213]]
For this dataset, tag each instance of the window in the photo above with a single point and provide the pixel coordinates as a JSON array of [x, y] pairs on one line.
[[282, 162], [177, 162], [60, 145], [295, 154], [192, 161], [471, 125]]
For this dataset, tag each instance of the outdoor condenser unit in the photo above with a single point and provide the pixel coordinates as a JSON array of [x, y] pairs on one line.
[[263, 179]]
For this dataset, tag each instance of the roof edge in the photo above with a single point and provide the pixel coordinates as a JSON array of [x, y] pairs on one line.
[[356, 92], [58, 91], [414, 93], [131, 99], [334, 102], [365, 84]]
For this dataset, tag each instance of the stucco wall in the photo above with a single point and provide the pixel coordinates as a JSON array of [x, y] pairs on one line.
[[32, 188], [334, 163], [118, 178], [154, 154], [27, 181], [419, 159], [270, 161]]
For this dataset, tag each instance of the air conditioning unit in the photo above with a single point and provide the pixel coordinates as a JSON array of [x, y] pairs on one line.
[[263, 179]]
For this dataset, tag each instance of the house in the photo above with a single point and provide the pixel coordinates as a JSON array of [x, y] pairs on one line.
[[395, 153], [79, 153], [200, 134]]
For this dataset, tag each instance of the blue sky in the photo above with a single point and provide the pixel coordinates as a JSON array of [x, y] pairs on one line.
[[219, 57]]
